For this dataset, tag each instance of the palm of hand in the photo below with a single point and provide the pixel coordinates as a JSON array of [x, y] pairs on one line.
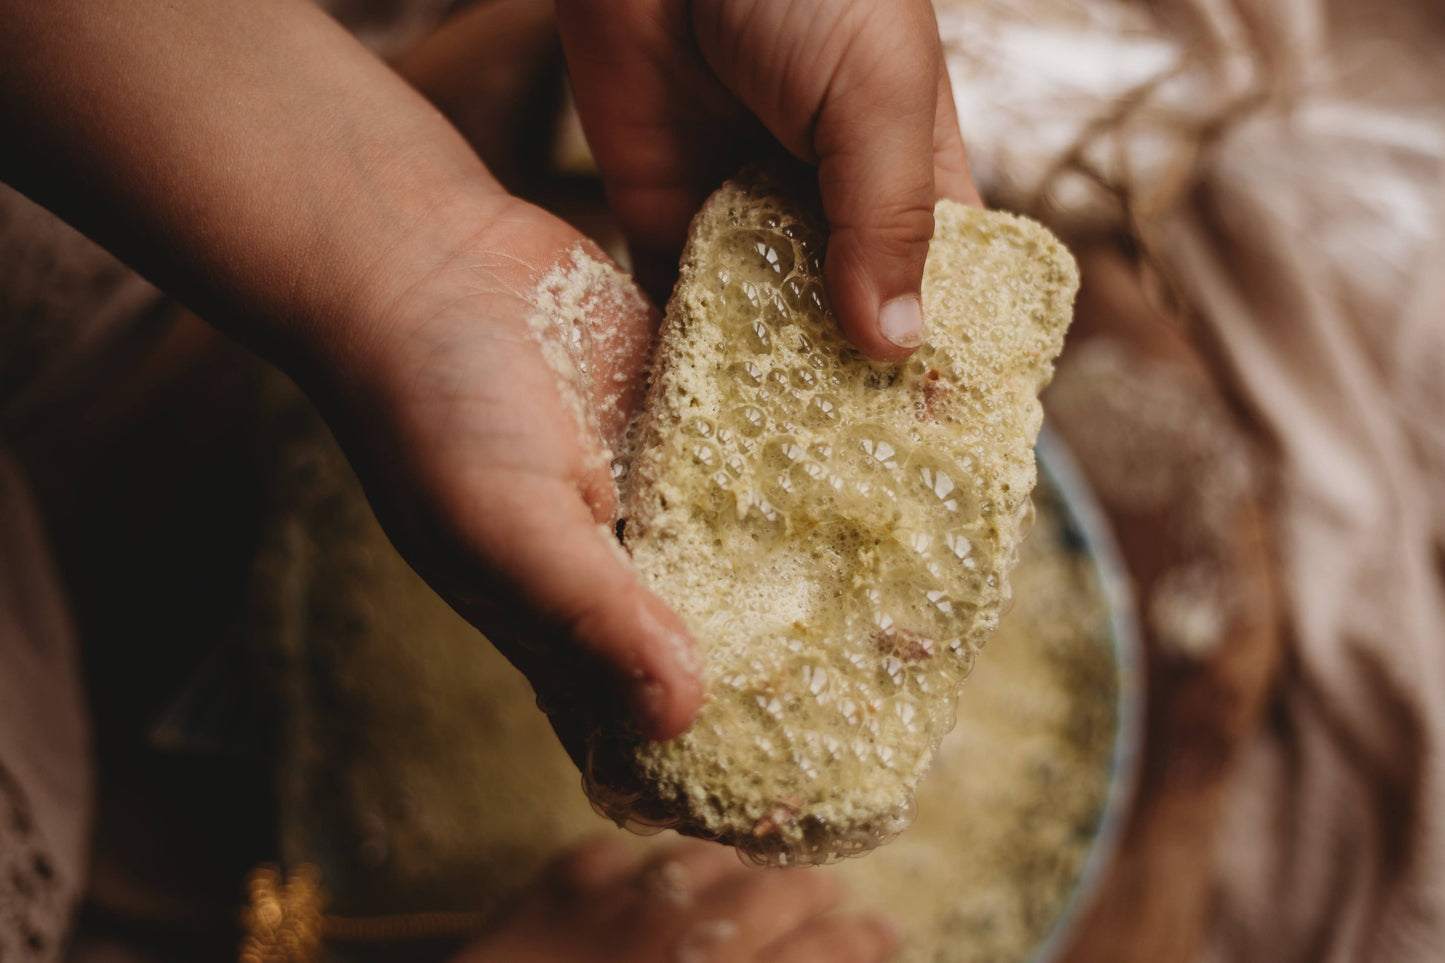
[[490, 472]]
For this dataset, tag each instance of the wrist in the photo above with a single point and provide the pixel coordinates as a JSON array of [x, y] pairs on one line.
[[353, 308]]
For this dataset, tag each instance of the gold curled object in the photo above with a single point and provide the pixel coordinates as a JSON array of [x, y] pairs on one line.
[[283, 920]]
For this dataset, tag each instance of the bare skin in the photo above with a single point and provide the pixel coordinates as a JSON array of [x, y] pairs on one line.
[[675, 95], [352, 236], [256, 162]]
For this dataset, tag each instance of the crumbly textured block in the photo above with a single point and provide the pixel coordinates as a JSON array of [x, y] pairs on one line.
[[837, 533]]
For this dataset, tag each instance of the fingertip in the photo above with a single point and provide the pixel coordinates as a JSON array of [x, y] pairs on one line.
[[661, 712], [900, 321], [665, 694], [621, 641], [665, 713], [881, 317], [956, 183]]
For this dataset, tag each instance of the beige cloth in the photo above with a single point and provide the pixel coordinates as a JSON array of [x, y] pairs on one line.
[[1283, 165]]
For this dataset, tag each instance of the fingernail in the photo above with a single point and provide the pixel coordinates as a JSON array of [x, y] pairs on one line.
[[901, 321]]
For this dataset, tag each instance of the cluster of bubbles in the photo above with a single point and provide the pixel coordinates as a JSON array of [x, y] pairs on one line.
[[811, 461], [789, 458]]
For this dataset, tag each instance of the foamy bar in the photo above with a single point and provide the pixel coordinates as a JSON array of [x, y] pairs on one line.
[[836, 533]]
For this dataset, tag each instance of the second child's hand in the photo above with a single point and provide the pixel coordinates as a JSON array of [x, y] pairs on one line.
[[257, 162], [675, 95]]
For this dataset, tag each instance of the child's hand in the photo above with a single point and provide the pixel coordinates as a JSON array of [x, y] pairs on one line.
[[491, 475], [690, 903], [675, 95], [258, 163]]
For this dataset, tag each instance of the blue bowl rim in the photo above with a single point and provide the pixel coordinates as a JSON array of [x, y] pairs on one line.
[[1082, 511]]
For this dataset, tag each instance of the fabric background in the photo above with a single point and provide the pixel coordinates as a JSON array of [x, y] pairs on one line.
[[1282, 165]]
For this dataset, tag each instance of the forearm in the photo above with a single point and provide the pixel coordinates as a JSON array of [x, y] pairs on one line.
[[251, 158]]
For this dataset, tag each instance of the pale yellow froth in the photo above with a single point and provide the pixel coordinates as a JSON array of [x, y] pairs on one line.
[[837, 533]]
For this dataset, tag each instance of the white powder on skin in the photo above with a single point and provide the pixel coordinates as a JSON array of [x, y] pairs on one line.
[[1189, 609], [583, 307], [668, 883], [594, 326]]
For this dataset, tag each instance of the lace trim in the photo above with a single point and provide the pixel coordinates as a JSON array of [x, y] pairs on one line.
[[35, 902]]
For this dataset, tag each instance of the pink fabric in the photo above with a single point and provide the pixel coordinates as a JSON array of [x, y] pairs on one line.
[[1283, 164]]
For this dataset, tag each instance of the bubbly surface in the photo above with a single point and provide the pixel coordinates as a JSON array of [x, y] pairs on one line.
[[418, 776], [837, 533]]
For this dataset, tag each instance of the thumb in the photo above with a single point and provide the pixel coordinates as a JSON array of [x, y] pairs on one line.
[[880, 222], [874, 140], [853, 86]]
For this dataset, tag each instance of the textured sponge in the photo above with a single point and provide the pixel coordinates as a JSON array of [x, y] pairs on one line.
[[837, 533]]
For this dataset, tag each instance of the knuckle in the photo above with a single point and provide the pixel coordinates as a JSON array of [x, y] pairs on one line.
[[906, 223], [898, 232], [886, 26]]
